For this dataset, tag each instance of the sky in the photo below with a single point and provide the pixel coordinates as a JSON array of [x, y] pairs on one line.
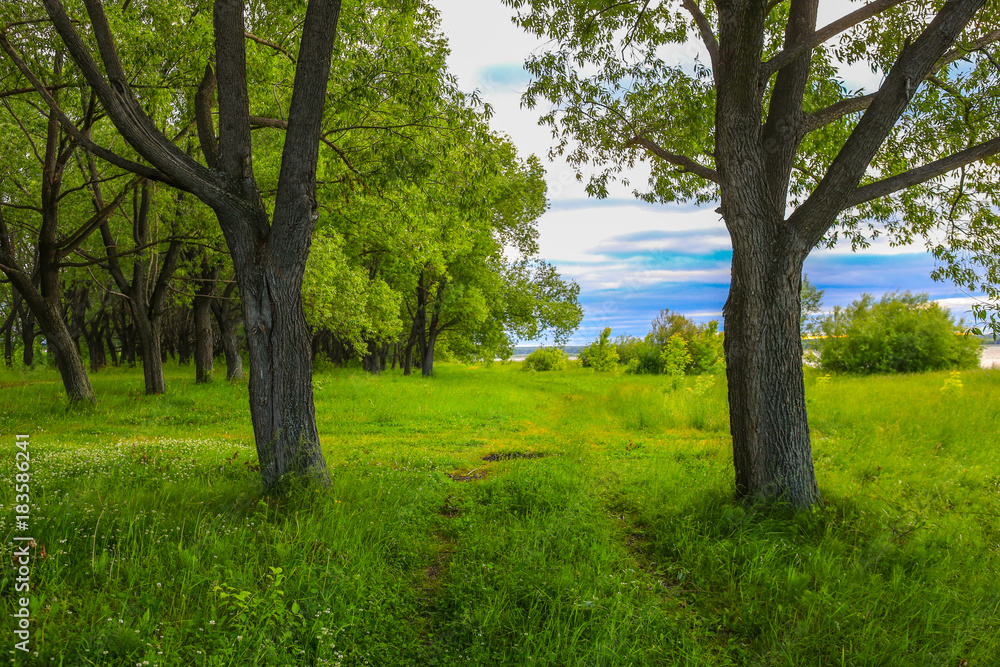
[[632, 259]]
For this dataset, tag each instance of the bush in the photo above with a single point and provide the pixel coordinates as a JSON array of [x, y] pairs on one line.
[[545, 359], [901, 333], [656, 354], [601, 355]]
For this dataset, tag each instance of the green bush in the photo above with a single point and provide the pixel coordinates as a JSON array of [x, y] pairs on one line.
[[702, 347], [901, 333], [545, 359], [601, 355]]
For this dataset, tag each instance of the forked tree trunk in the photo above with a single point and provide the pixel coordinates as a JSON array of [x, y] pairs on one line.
[[771, 448]]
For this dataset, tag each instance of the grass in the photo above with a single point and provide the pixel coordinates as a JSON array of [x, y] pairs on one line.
[[622, 545]]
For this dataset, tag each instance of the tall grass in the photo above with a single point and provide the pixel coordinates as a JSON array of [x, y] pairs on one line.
[[620, 545]]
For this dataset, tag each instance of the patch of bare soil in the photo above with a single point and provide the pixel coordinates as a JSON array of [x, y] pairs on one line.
[[507, 456]]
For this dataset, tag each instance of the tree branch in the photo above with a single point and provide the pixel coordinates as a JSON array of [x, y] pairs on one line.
[[22, 91], [705, 28], [203, 117], [685, 163], [922, 174], [819, 36], [836, 111], [913, 65], [235, 155], [260, 121], [78, 237], [823, 117], [264, 42], [172, 164]]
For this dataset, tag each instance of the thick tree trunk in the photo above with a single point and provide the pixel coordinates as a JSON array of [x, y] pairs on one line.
[[771, 449], [281, 392]]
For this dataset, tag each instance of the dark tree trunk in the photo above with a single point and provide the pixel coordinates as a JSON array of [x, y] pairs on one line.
[[204, 340], [370, 362], [771, 447], [281, 394], [226, 318], [8, 328], [59, 342], [149, 335], [112, 352], [28, 337], [8, 341]]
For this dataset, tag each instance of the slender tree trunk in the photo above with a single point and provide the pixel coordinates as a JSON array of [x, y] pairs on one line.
[[28, 338], [204, 343], [223, 311], [149, 334], [112, 352], [8, 344], [771, 448], [427, 367]]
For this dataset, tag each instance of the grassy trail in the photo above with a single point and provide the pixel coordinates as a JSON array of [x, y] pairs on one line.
[[621, 545]]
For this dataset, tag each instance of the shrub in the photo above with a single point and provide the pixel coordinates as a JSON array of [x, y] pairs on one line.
[[675, 355], [701, 342], [629, 349], [901, 333], [545, 359], [601, 355]]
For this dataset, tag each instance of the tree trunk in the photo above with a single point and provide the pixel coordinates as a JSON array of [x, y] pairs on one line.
[[281, 391], [28, 338], [223, 311], [427, 367], [149, 334], [112, 352], [204, 344], [8, 345], [771, 449]]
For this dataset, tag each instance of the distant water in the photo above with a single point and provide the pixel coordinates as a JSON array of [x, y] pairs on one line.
[[990, 358]]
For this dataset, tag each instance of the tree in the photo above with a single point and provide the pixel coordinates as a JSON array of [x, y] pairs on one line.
[[763, 123], [269, 249]]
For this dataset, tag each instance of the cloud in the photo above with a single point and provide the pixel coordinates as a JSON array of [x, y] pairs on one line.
[[509, 76]]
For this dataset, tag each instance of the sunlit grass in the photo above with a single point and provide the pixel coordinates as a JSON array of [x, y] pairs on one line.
[[620, 545]]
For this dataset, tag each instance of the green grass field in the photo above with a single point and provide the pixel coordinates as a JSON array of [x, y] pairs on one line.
[[622, 545]]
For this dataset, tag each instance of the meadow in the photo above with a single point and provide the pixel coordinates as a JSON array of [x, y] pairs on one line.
[[489, 516]]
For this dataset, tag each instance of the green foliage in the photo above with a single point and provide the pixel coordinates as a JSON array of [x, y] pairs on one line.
[[675, 356], [545, 359], [601, 355], [675, 345], [900, 333]]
